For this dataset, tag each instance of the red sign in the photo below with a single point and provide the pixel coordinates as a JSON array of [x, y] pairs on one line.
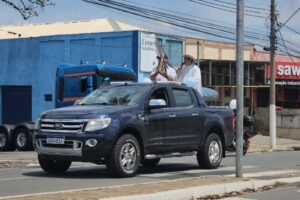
[[286, 71]]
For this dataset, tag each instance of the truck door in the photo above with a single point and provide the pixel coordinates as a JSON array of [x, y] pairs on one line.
[[159, 121], [187, 119]]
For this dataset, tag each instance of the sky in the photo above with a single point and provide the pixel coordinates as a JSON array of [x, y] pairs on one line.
[[71, 10]]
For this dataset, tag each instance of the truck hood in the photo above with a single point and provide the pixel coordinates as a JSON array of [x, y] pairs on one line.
[[83, 112]]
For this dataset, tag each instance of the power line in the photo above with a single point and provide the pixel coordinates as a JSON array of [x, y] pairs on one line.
[[169, 19], [287, 51], [214, 22], [246, 6], [229, 7], [291, 29], [184, 22], [211, 5], [294, 13]]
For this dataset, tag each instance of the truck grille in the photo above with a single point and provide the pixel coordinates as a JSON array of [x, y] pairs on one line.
[[69, 144], [62, 125]]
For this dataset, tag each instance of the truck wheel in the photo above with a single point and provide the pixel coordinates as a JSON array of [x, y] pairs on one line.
[[5, 145], [210, 156], [150, 162], [54, 166], [125, 157], [22, 140]]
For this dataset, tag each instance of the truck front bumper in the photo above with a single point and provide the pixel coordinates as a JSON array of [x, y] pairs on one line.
[[74, 148]]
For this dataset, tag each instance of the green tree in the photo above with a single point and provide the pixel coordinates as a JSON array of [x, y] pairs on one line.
[[28, 8]]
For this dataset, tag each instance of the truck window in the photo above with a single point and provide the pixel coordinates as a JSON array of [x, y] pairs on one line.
[[182, 98], [160, 94], [72, 87], [115, 95], [76, 86]]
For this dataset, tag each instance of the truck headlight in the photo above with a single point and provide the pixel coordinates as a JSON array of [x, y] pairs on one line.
[[37, 123], [98, 123]]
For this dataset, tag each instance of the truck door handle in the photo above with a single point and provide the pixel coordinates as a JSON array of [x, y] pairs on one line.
[[172, 116], [195, 114]]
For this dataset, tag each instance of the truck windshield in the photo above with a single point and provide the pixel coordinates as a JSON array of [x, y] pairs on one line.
[[116, 95]]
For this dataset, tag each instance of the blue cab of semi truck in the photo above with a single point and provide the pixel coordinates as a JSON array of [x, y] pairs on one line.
[[73, 82]]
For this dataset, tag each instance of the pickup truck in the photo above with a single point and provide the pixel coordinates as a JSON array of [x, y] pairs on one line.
[[126, 125]]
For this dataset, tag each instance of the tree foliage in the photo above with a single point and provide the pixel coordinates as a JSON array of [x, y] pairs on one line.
[[28, 8]]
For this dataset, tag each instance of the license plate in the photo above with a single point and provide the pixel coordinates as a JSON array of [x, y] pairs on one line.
[[55, 140]]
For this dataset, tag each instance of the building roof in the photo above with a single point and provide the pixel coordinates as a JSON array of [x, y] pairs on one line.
[[62, 28]]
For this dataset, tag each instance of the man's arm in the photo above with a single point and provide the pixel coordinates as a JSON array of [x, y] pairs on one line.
[[168, 77], [153, 76]]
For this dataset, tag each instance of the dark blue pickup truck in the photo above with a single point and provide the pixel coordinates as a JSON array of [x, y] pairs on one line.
[[127, 124]]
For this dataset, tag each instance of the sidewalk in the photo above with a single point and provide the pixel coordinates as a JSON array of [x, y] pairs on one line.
[[260, 143], [180, 189]]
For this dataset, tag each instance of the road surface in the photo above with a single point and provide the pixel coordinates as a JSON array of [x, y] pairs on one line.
[[22, 181]]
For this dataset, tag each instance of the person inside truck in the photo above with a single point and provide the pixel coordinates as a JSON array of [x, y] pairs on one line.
[[170, 74], [189, 73], [159, 94]]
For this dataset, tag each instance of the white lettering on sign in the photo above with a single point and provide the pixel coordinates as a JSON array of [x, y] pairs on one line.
[[148, 52], [280, 70], [288, 70]]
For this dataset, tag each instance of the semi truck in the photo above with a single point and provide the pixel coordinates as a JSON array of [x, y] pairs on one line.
[[73, 82]]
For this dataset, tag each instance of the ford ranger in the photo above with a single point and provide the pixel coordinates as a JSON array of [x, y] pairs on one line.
[[126, 125]]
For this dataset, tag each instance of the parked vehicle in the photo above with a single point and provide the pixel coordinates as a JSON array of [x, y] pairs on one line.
[[125, 125], [72, 83], [248, 130]]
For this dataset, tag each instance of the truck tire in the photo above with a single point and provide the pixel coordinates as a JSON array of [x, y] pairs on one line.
[[125, 157], [22, 140], [5, 144], [54, 166], [150, 162], [210, 156]]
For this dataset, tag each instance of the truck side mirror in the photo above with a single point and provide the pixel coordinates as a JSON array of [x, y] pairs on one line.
[[157, 103], [232, 104], [106, 81]]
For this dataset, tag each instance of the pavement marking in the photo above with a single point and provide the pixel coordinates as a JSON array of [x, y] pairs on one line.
[[237, 198], [12, 179], [266, 173], [218, 169], [191, 172]]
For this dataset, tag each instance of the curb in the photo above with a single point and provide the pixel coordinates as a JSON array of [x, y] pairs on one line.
[[201, 191]]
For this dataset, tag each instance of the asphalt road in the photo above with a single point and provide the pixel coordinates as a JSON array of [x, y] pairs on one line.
[[21, 181]]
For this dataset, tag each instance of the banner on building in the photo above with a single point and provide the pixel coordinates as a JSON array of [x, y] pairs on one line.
[[148, 52], [286, 73]]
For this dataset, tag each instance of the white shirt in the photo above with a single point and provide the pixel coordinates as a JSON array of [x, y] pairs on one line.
[[191, 76], [171, 72]]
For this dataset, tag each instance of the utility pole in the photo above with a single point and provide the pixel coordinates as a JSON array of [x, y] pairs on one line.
[[240, 86], [272, 111]]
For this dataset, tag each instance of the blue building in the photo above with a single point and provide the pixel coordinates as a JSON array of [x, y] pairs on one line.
[[28, 62]]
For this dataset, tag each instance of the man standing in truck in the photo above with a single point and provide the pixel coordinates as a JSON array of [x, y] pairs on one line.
[[170, 74], [189, 73]]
